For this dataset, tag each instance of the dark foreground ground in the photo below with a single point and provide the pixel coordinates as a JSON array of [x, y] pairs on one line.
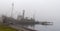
[[6, 28]]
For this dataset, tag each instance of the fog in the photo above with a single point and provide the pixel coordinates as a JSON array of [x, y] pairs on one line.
[[44, 10]]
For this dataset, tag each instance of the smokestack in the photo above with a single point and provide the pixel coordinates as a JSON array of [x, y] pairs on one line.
[[23, 13]]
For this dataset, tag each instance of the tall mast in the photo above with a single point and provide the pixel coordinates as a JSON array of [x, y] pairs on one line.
[[34, 16], [23, 13], [12, 9]]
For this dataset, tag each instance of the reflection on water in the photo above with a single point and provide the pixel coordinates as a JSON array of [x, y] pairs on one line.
[[40, 27]]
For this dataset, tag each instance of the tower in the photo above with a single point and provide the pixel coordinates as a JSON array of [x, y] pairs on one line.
[[23, 13], [12, 9], [34, 17]]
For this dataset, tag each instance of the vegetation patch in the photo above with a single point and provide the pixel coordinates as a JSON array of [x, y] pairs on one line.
[[6, 28]]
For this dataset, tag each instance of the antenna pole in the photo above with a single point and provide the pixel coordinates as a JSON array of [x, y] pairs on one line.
[[12, 9], [34, 16], [23, 13]]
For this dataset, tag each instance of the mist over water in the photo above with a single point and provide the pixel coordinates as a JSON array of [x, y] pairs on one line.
[[44, 10]]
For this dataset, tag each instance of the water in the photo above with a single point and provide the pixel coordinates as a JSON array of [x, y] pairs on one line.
[[44, 28], [54, 27]]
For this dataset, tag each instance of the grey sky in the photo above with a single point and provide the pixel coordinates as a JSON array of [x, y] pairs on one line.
[[43, 9]]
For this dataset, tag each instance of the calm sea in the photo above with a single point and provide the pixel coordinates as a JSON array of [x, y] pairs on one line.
[[45, 28]]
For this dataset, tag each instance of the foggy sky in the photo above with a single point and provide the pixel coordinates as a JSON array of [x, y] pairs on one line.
[[43, 9]]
